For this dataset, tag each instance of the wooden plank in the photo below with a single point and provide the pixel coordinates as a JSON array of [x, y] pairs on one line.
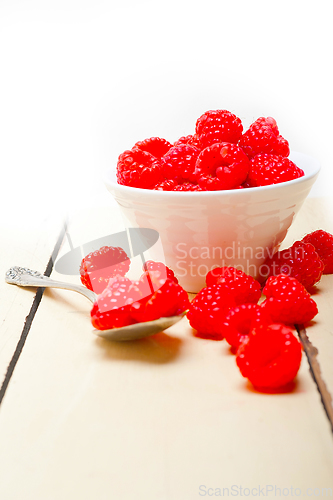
[[29, 246], [163, 418], [317, 214]]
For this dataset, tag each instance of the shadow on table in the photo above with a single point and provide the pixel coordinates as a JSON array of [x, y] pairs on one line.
[[290, 388], [159, 348]]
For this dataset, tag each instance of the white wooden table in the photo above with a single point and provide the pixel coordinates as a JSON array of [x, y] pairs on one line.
[[164, 418]]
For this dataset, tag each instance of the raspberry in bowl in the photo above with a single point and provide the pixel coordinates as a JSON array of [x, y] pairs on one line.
[[219, 197]]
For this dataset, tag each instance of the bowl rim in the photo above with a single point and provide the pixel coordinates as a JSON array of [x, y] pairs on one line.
[[110, 175]]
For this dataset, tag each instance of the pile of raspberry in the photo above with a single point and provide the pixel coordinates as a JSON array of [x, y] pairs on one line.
[[260, 332], [122, 301], [218, 156], [262, 335]]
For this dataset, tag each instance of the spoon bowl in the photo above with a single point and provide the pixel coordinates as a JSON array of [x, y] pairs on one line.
[[139, 330], [23, 276]]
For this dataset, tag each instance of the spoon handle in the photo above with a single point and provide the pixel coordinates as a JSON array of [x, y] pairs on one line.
[[23, 276]]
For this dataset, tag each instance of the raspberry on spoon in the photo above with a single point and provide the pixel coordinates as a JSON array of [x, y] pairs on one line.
[[98, 267], [151, 265], [125, 302], [169, 299], [112, 308]]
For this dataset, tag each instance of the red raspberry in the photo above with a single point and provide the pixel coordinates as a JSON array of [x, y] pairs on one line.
[[270, 356], [155, 146], [287, 301], [162, 297], [240, 320], [179, 162], [300, 261], [243, 287], [266, 169], [152, 280], [323, 243], [168, 185], [190, 140], [112, 308], [165, 271], [208, 310], [218, 126], [188, 186], [139, 168], [149, 282], [263, 137], [98, 267], [221, 166], [246, 184]]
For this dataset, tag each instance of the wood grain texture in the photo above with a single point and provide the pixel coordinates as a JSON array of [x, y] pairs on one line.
[[317, 213], [315, 370], [163, 418], [31, 247]]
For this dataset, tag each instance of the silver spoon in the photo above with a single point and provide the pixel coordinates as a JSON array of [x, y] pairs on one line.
[[22, 276]]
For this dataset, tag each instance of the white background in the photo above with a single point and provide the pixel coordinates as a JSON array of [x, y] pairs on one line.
[[81, 81]]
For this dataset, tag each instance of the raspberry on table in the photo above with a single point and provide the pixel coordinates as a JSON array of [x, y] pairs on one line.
[[99, 266], [112, 309], [240, 285], [266, 169], [167, 185], [270, 356], [138, 168], [156, 146], [323, 243], [221, 166], [218, 126], [300, 261], [240, 320], [208, 310], [287, 301], [151, 265], [179, 162], [263, 137]]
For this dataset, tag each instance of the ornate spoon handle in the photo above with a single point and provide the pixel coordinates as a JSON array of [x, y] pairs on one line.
[[23, 276]]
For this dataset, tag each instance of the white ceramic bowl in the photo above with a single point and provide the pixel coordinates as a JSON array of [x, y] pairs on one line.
[[203, 230]]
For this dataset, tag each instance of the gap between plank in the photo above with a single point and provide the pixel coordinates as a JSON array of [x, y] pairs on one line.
[[31, 315], [311, 353]]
